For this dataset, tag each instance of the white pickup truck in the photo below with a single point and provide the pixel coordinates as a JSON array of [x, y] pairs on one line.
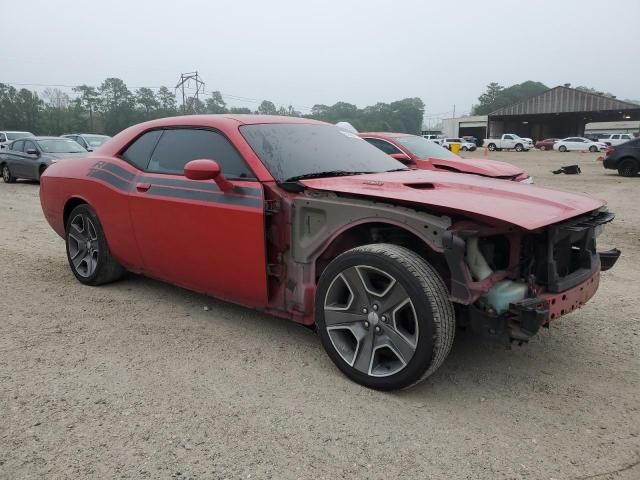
[[615, 139], [508, 141]]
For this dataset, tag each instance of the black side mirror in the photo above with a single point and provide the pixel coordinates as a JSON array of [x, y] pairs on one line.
[[32, 151]]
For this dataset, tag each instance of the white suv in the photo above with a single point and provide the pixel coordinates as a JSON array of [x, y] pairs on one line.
[[10, 136]]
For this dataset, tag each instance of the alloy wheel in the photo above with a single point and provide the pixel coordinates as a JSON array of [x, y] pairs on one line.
[[83, 244], [371, 321], [6, 175]]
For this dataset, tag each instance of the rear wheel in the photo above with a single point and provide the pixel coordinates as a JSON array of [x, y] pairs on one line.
[[7, 176], [562, 148], [87, 250], [492, 147], [628, 168], [543, 148], [384, 316], [464, 149]]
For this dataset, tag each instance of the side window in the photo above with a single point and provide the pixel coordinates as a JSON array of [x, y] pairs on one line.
[[508, 137], [17, 146], [177, 147], [625, 137], [386, 147], [615, 137], [3, 137], [29, 145], [139, 152]]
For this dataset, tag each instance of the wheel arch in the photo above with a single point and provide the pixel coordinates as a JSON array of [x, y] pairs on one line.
[[70, 204], [378, 231]]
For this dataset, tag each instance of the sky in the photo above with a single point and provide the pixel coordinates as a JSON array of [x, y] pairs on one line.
[[305, 52]]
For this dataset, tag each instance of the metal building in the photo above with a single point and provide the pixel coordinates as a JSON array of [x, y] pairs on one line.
[[559, 112]]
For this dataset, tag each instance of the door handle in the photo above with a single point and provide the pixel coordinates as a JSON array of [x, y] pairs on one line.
[[143, 187]]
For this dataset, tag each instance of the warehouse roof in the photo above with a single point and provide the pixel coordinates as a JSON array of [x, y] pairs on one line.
[[563, 100]]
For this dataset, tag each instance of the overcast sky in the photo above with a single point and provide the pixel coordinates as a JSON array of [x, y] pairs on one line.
[[306, 52]]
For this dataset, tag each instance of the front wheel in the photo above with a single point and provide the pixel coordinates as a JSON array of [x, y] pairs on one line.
[[543, 148], [518, 148], [593, 149], [562, 148], [87, 250], [384, 316], [464, 149], [7, 176]]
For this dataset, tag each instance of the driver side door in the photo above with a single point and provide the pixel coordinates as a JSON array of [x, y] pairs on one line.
[[190, 232]]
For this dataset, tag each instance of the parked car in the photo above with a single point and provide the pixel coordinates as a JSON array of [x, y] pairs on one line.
[[464, 145], [508, 141], [433, 138], [89, 141], [546, 144], [311, 223], [29, 157], [470, 139], [9, 136], [616, 139], [417, 152], [580, 144], [625, 158]]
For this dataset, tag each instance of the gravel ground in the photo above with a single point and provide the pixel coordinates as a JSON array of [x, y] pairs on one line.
[[140, 379]]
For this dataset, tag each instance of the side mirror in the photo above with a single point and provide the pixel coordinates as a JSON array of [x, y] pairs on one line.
[[207, 170], [32, 151], [401, 157]]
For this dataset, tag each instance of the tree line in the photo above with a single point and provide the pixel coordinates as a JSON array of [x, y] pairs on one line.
[[112, 107]]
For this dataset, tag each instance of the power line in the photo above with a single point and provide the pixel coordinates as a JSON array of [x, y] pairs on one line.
[[224, 95]]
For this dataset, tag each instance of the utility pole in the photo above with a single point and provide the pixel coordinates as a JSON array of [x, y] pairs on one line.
[[185, 80]]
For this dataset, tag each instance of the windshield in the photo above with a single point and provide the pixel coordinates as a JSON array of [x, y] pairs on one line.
[[290, 150], [424, 149], [60, 145], [17, 135], [95, 140]]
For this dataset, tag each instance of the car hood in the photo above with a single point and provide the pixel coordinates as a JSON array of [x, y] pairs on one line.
[[525, 206], [487, 168]]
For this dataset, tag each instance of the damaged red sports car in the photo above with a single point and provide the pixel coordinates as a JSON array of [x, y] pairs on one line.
[[305, 221]]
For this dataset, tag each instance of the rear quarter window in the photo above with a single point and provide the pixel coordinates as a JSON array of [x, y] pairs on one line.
[[139, 152]]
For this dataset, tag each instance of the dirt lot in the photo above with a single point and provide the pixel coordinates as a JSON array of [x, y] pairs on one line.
[[139, 380]]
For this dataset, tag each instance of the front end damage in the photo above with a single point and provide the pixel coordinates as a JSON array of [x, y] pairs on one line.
[[513, 282]]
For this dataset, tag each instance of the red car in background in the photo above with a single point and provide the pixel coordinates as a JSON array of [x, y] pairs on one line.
[[308, 222], [422, 154], [546, 144]]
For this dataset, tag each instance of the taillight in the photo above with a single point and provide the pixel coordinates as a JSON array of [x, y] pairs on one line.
[[610, 149]]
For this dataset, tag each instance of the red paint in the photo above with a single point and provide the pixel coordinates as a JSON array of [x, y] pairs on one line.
[[478, 166], [213, 239]]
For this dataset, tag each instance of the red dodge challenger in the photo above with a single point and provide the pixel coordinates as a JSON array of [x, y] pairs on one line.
[[305, 221], [420, 153]]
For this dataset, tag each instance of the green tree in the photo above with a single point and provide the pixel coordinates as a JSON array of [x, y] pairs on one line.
[[244, 110], [497, 96], [216, 104], [147, 101], [88, 100], [167, 101], [194, 106], [267, 108], [116, 105]]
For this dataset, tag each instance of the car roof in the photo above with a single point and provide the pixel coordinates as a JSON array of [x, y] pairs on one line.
[[386, 134], [81, 134]]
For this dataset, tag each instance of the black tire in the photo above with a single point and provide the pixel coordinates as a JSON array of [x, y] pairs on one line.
[[593, 149], [492, 147], [431, 313], [41, 171], [562, 148], [519, 147], [542, 148], [7, 176], [464, 149], [628, 167], [100, 267]]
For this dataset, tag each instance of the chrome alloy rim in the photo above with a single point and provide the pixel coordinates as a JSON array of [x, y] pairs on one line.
[[83, 245], [371, 321]]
